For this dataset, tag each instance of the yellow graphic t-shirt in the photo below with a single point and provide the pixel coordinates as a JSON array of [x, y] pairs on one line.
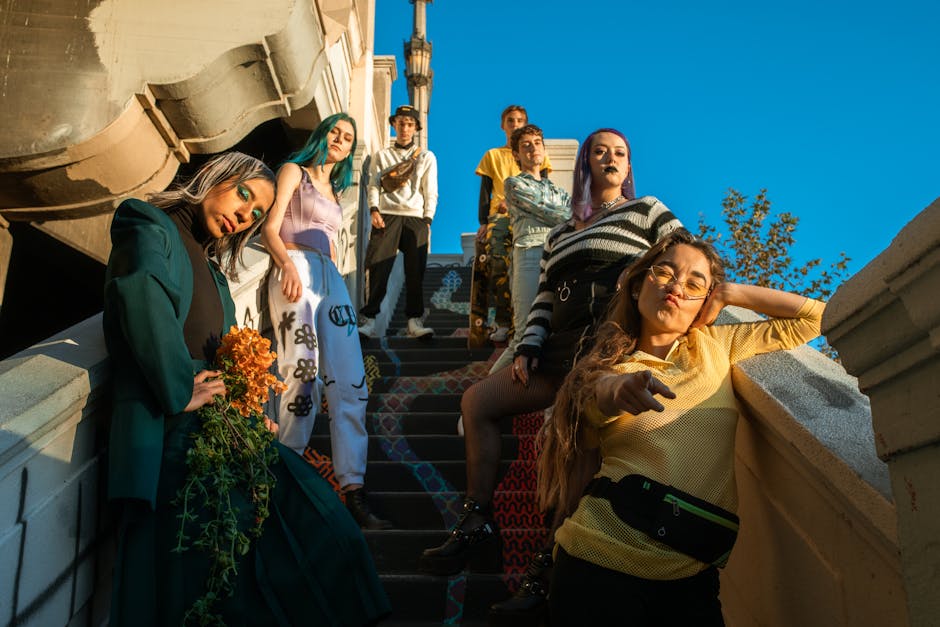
[[499, 165]]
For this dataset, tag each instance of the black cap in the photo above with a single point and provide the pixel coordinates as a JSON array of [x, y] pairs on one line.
[[407, 111]]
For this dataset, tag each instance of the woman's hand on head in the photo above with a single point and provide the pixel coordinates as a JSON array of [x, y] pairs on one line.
[[632, 393], [521, 366], [716, 301], [206, 385], [291, 286]]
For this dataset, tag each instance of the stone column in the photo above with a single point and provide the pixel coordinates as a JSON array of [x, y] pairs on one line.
[[885, 323]]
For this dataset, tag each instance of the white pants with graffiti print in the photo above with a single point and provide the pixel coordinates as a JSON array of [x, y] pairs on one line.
[[318, 347]]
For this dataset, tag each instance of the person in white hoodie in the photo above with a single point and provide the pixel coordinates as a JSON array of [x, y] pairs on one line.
[[402, 199]]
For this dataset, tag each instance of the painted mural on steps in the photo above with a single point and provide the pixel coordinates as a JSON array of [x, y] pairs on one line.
[[515, 509]]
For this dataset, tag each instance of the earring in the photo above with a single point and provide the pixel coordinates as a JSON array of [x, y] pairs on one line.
[[635, 295]]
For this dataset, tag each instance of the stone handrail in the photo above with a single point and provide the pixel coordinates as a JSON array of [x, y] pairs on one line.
[[885, 322], [818, 525]]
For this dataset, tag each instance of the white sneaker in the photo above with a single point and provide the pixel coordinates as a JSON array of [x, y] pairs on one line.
[[367, 327], [501, 334], [417, 329]]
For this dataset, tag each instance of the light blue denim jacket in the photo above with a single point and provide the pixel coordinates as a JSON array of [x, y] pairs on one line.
[[535, 206]]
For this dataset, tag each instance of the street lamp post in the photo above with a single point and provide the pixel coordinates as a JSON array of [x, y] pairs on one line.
[[418, 68]]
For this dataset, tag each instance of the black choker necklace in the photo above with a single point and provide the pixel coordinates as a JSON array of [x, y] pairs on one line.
[[604, 206]]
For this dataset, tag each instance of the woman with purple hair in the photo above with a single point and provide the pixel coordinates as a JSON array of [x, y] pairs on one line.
[[610, 229]]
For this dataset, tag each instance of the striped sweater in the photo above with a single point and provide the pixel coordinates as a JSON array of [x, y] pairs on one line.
[[603, 248]]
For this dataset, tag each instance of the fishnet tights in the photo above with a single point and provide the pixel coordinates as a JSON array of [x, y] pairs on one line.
[[484, 405]]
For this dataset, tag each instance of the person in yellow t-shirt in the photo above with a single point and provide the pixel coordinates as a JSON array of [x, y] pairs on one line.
[[644, 542], [494, 234]]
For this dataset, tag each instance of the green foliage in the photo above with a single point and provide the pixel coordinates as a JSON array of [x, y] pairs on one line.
[[228, 461], [756, 248]]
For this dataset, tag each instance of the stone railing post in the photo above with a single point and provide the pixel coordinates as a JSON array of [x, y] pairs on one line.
[[885, 323]]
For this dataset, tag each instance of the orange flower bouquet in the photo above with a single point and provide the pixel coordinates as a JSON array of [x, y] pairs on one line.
[[231, 452]]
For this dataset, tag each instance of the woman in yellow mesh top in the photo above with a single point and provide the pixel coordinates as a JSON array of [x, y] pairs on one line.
[[655, 394]]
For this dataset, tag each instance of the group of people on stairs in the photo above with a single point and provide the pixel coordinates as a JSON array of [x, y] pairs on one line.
[[618, 339]]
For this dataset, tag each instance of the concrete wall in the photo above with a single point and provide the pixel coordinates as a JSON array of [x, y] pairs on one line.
[[885, 323], [55, 536], [818, 544]]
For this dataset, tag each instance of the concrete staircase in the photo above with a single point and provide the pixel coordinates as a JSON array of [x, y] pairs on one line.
[[417, 473]]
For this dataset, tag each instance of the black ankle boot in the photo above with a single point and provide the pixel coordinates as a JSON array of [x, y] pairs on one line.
[[474, 531], [529, 605], [358, 506]]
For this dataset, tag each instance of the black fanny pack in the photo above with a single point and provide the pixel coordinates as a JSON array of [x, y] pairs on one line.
[[675, 518]]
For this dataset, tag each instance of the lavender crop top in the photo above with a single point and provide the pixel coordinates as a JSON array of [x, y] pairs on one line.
[[311, 219]]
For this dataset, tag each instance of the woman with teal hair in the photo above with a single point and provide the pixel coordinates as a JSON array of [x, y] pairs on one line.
[[311, 311]]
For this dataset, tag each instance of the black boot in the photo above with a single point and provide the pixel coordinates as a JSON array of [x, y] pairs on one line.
[[474, 531], [358, 506], [528, 607]]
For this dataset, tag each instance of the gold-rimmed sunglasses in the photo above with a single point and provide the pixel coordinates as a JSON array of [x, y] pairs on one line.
[[692, 289]]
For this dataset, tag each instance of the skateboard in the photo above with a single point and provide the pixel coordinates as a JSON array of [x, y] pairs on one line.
[[489, 283], [478, 336]]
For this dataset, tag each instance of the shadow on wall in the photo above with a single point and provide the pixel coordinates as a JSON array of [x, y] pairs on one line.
[[50, 286], [56, 532]]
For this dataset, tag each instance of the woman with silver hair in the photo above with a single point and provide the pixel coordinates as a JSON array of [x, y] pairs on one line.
[[581, 261], [166, 305]]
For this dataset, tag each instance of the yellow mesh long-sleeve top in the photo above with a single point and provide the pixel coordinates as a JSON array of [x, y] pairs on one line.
[[690, 445]]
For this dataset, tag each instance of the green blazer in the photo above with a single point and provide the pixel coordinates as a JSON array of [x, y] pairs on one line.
[[147, 294]]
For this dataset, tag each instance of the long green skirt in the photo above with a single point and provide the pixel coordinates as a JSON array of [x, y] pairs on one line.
[[311, 565]]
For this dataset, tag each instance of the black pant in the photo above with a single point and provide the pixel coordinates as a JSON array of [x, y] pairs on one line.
[[410, 236], [584, 594]]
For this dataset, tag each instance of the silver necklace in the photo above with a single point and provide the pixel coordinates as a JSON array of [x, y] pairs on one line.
[[610, 203]]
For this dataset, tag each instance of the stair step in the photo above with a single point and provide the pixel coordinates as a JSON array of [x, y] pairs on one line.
[[439, 475], [433, 623], [454, 381], [451, 447], [420, 510], [423, 401], [412, 423], [419, 423], [417, 598], [418, 369], [397, 551], [439, 340], [420, 353]]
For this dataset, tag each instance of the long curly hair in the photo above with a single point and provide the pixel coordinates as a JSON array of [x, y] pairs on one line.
[[315, 151], [568, 454], [229, 169]]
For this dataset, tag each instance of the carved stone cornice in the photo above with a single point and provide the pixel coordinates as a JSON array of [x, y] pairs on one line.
[[140, 147], [885, 323]]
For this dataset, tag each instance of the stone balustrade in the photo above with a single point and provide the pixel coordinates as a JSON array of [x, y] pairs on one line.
[[885, 322]]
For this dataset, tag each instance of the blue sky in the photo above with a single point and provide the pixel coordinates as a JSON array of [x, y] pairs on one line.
[[831, 106]]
